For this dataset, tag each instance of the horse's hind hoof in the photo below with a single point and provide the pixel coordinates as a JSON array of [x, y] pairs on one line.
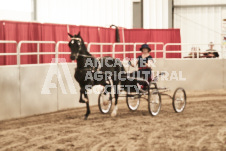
[[86, 117], [82, 101]]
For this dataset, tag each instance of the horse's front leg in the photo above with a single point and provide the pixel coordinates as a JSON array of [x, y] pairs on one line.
[[85, 99], [87, 106], [82, 93]]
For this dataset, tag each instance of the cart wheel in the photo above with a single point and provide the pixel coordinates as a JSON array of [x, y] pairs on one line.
[[132, 101], [154, 102], [179, 100], [104, 102]]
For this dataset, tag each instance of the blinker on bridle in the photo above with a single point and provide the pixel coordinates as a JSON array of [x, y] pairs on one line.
[[80, 47], [78, 39], [86, 56], [79, 44]]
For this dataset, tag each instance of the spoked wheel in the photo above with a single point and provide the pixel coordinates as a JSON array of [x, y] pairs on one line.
[[104, 102], [132, 101], [154, 102], [179, 100]]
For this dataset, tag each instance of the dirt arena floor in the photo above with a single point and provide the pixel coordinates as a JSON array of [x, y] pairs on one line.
[[202, 126]]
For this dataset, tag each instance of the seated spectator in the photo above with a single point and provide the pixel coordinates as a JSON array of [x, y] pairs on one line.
[[211, 53]]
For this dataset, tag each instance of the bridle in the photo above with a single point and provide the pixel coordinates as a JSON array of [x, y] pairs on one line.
[[80, 48], [79, 43]]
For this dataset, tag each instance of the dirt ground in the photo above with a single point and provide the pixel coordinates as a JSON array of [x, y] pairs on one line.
[[202, 126]]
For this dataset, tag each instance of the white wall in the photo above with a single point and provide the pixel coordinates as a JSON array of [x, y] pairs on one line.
[[86, 12], [21, 89], [78, 12], [198, 2], [199, 24], [156, 14], [20, 10]]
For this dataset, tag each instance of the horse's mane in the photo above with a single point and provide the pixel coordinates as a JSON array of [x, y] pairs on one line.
[[84, 47]]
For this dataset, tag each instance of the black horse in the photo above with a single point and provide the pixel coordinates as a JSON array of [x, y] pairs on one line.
[[87, 66]]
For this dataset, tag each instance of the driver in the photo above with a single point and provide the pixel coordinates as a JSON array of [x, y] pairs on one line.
[[144, 62]]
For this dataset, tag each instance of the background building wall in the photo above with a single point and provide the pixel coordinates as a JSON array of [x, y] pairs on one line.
[[200, 21], [199, 2], [86, 12], [19, 100], [21, 10], [157, 14]]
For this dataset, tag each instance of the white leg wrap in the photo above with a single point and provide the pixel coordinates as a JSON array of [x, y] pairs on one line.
[[114, 112], [85, 99]]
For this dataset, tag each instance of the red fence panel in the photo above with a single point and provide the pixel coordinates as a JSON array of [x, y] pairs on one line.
[[156, 35], [2, 46], [18, 31], [107, 35], [53, 32], [167, 36], [12, 30]]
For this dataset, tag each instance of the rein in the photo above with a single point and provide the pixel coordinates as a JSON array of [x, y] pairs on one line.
[[92, 68], [86, 56]]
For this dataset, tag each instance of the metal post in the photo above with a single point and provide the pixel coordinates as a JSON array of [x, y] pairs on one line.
[[113, 50], [155, 50], [164, 51], [223, 49], [38, 52], [197, 51], [56, 51], [193, 50], [18, 53], [124, 50], [134, 51], [101, 50], [35, 10]]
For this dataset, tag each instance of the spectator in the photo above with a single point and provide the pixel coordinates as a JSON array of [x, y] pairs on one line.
[[212, 53]]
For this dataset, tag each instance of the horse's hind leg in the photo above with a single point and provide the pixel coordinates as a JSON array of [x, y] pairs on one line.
[[87, 111], [114, 112], [81, 100]]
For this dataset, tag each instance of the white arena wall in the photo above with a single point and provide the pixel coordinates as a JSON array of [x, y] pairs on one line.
[[21, 86], [9, 92], [21, 91], [199, 74]]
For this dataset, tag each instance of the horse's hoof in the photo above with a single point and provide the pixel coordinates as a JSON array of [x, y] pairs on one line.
[[113, 114], [86, 117], [82, 101]]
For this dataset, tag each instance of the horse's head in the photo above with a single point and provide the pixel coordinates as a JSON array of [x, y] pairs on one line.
[[75, 45]]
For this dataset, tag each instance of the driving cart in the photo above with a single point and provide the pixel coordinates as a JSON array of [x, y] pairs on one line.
[[152, 94]]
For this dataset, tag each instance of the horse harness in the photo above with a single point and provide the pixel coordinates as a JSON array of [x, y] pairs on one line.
[[92, 69]]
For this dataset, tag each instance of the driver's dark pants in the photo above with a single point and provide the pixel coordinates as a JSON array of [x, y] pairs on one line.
[[143, 74]]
